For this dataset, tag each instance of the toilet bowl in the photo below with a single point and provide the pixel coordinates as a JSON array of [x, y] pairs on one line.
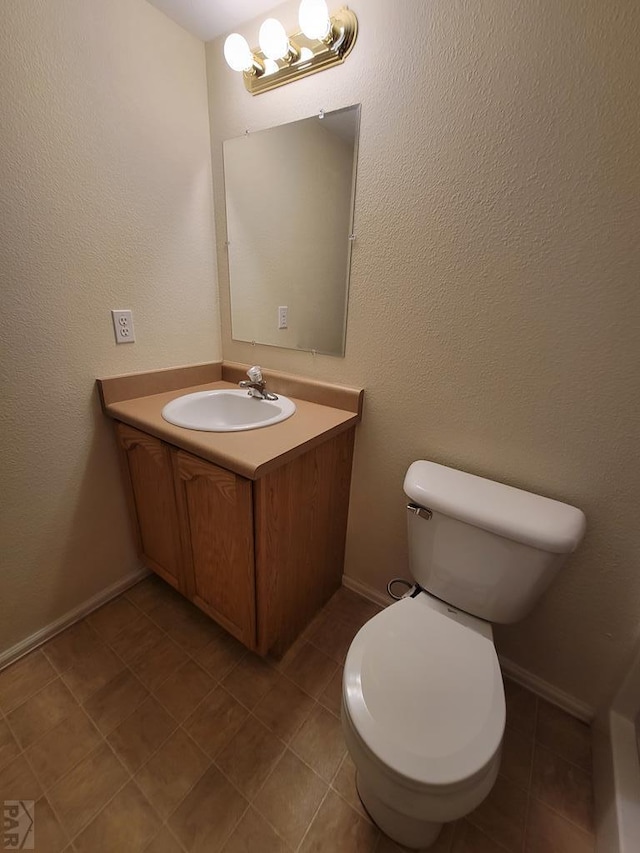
[[424, 731], [423, 708]]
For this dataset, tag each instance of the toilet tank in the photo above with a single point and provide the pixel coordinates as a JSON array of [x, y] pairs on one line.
[[485, 547]]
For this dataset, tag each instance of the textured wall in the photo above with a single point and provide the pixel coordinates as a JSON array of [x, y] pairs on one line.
[[494, 305], [105, 177]]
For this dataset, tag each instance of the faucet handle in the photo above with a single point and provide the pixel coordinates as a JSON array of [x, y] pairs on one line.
[[255, 373]]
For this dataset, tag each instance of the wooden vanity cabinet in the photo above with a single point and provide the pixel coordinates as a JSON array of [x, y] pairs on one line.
[[152, 503], [215, 517], [300, 518], [260, 557]]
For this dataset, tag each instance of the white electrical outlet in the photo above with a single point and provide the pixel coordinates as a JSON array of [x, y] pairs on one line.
[[283, 316], [123, 327]]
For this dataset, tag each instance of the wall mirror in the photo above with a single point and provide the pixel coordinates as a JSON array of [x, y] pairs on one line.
[[289, 198]]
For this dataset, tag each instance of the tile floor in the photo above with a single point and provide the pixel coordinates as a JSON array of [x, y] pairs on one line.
[[145, 727]]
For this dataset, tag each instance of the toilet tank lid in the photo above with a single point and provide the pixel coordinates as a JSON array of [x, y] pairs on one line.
[[513, 513]]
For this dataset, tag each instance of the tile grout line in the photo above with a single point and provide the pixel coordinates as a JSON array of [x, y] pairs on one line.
[[180, 725], [213, 765], [563, 817], [212, 761], [127, 665], [131, 778], [43, 791], [165, 821], [451, 840], [525, 834], [484, 833], [13, 708], [533, 795], [288, 746], [165, 825], [329, 787], [529, 794], [251, 710], [266, 820], [566, 760], [105, 805], [61, 672], [344, 799], [473, 821], [225, 840], [302, 759], [257, 794], [550, 749], [46, 790], [228, 778], [220, 680], [104, 738], [131, 775], [311, 822]]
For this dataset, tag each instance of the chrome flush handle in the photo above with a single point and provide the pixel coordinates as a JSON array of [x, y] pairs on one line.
[[420, 511]]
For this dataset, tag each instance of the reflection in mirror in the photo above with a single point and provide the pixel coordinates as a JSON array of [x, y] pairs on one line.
[[289, 198]]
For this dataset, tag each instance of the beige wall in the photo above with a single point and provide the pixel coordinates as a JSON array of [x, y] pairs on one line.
[[494, 306], [105, 203]]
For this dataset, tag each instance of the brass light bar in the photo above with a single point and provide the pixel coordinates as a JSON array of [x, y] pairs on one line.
[[307, 57]]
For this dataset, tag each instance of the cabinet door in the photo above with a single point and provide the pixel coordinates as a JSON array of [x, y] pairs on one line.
[[301, 513], [149, 478], [216, 518]]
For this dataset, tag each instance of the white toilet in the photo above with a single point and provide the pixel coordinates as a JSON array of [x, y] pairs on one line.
[[423, 707]]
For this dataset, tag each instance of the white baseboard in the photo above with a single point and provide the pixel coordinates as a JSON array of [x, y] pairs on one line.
[[366, 591], [547, 691], [527, 679], [27, 645]]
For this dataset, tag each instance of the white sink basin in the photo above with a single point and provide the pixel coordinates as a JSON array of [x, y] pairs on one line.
[[226, 411]]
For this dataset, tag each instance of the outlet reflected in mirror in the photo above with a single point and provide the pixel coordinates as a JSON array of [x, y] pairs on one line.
[[289, 202]]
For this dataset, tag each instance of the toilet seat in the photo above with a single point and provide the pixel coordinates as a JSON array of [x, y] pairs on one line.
[[423, 690]]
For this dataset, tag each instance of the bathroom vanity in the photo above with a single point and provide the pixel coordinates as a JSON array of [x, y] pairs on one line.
[[249, 526]]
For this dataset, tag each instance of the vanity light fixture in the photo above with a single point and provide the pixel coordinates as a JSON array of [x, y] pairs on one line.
[[323, 41], [274, 42], [238, 55]]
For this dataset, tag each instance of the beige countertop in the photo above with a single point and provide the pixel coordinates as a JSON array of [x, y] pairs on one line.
[[250, 453]]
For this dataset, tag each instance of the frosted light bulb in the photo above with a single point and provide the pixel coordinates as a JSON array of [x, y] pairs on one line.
[[273, 39], [314, 19], [238, 53]]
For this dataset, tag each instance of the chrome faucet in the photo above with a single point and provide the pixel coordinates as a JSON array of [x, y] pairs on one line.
[[256, 385]]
